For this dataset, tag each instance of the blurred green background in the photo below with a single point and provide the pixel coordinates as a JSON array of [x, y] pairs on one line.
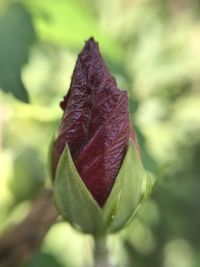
[[153, 49]]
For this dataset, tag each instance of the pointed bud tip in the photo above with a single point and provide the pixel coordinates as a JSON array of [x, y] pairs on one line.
[[91, 45], [91, 41]]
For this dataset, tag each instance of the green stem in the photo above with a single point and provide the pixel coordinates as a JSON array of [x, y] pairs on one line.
[[101, 254]]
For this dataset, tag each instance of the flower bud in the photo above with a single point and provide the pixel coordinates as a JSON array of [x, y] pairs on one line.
[[96, 169]]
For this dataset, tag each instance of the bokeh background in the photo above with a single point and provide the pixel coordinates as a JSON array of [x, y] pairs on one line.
[[153, 49]]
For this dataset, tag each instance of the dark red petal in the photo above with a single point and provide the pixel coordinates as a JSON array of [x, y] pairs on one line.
[[95, 123], [99, 161], [89, 73]]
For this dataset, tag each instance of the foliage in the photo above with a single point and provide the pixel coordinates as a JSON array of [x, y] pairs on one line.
[[16, 36]]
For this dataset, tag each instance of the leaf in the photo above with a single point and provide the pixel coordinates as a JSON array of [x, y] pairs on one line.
[[127, 191], [28, 174], [70, 23], [43, 259], [72, 198], [16, 36]]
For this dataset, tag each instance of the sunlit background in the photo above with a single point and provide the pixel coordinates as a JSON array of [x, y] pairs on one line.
[[153, 49]]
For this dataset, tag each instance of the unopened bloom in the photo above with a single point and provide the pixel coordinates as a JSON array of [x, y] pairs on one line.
[[95, 127]]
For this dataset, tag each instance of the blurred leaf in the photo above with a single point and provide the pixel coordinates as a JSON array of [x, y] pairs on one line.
[[16, 36], [64, 242], [70, 22], [28, 174], [43, 259]]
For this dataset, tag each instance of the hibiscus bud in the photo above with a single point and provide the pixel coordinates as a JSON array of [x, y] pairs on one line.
[[95, 123], [95, 148]]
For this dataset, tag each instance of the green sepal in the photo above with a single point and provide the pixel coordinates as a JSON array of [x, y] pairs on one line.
[[126, 192], [77, 205], [73, 199], [146, 191]]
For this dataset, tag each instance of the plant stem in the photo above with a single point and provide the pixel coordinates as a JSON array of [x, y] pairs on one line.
[[101, 254]]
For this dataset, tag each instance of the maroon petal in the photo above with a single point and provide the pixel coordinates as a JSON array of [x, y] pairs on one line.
[[99, 161], [95, 123], [77, 106]]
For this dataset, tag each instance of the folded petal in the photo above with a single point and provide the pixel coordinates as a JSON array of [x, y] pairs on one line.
[[95, 123], [99, 161]]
